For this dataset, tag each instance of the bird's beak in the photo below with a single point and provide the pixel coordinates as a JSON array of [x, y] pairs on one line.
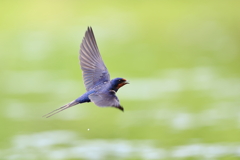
[[126, 82]]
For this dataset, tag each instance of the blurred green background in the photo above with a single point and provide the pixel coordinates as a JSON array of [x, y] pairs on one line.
[[181, 57]]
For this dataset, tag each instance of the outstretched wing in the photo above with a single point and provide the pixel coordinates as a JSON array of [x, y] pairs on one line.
[[105, 100], [92, 65]]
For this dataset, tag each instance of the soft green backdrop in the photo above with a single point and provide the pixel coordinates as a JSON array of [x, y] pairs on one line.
[[181, 57]]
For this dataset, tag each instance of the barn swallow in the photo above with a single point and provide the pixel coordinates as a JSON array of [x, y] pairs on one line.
[[100, 89]]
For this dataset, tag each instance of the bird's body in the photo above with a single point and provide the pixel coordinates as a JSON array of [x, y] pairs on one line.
[[100, 89]]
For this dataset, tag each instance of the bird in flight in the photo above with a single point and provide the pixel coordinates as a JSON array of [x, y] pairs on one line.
[[100, 89]]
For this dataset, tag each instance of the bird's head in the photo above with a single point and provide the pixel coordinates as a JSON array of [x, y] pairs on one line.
[[118, 83]]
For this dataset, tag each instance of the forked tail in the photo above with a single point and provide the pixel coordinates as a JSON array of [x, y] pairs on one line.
[[73, 103]]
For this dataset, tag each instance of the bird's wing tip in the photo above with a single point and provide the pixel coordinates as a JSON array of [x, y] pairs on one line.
[[120, 108], [89, 28]]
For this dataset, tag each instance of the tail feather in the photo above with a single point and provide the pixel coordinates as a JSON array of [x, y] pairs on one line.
[[73, 103]]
